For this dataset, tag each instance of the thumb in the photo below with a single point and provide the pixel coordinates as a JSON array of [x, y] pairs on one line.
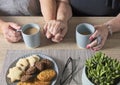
[[94, 35], [14, 25]]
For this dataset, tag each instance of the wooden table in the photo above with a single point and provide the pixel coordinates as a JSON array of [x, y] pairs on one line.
[[111, 48]]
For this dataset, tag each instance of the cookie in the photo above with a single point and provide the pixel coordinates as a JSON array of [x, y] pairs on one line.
[[22, 63], [31, 70], [46, 75], [34, 82], [14, 74], [25, 83], [40, 66], [48, 63], [26, 78], [37, 58], [38, 82], [31, 60]]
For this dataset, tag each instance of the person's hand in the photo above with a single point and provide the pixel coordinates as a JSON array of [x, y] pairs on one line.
[[9, 31], [102, 32], [55, 30]]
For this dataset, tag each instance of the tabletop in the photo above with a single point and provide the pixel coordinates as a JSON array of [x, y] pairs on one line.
[[111, 47]]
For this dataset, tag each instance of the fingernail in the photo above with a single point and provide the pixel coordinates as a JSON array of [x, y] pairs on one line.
[[91, 38], [87, 46], [48, 36]]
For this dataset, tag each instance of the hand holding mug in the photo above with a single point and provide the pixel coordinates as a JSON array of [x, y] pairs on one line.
[[9, 31], [101, 31]]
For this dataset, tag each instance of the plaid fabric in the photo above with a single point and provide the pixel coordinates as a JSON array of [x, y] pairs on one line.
[[59, 55]]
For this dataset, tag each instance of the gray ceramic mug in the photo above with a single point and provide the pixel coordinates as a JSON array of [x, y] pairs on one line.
[[83, 33], [31, 35]]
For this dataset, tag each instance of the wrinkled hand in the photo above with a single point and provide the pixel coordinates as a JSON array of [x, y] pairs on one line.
[[102, 31], [55, 30], [9, 31]]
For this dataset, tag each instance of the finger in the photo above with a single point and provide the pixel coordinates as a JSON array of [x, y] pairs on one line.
[[19, 38], [92, 44], [16, 39], [98, 47], [48, 35], [57, 28], [45, 28], [11, 32], [14, 25], [58, 37], [11, 39], [11, 35], [52, 28], [55, 40], [94, 35], [48, 26], [17, 34]]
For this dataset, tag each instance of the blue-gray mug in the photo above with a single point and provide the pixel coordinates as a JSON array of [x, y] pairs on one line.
[[31, 35], [83, 33]]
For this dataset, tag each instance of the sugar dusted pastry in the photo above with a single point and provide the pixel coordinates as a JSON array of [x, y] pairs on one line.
[[31, 60], [22, 63], [36, 57], [14, 74]]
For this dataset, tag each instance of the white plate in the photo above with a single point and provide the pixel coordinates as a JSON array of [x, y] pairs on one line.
[[55, 67]]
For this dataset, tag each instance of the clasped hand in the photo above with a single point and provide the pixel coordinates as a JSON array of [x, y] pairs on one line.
[[55, 30]]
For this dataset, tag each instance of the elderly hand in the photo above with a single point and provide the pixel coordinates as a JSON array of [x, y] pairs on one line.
[[55, 30], [101, 31], [9, 31]]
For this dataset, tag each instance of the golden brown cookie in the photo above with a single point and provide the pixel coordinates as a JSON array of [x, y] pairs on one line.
[[35, 82], [46, 75], [14, 74], [38, 82], [25, 83]]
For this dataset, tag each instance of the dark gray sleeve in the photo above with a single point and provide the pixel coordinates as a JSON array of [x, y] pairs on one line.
[[95, 7], [19, 7]]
